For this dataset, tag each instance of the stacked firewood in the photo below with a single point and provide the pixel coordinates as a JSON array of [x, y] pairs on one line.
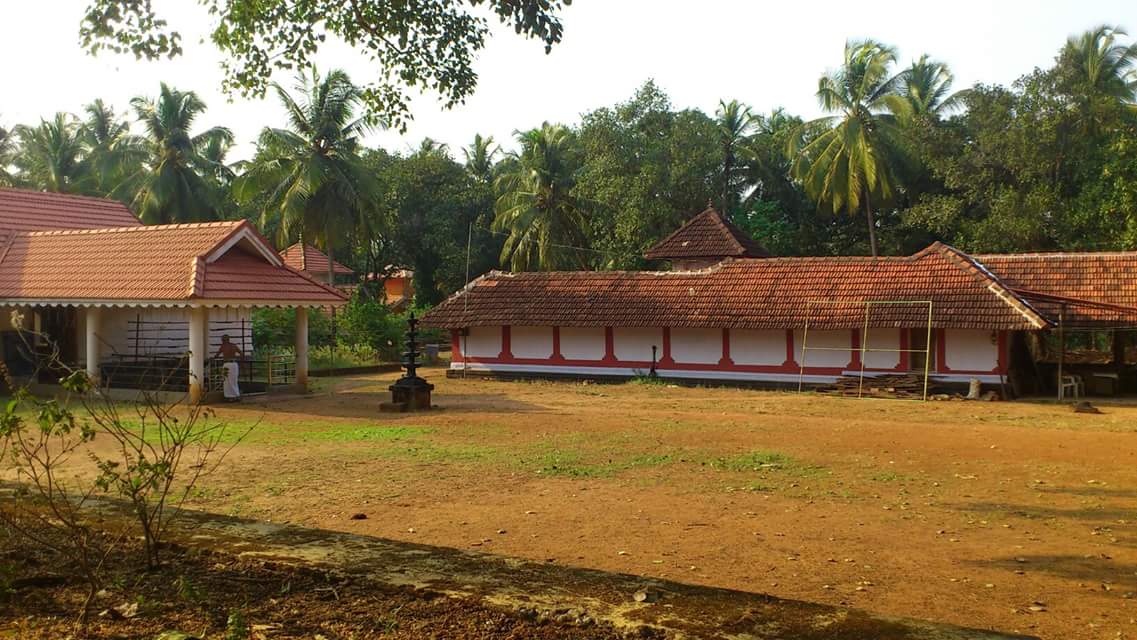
[[907, 385]]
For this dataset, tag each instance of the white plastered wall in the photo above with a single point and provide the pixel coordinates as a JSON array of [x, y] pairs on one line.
[[531, 342], [758, 347], [971, 349], [695, 346], [823, 342], [633, 344], [482, 342], [881, 339], [582, 343]]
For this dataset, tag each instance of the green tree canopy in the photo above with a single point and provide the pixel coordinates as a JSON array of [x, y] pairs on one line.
[[173, 186], [536, 207], [316, 183], [413, 44]]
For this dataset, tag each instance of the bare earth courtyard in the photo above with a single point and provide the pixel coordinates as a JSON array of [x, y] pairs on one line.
[[1010, 516]]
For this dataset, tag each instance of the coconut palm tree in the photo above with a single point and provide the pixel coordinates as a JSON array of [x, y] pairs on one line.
[[311, 175], [926, 84], [850, 160], [480, 157], [7, 155], [544, 221], [735, 123], [115, 155], [173, 186], [51, 155], [1102, 65]]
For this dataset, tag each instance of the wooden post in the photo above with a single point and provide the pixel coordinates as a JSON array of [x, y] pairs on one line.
[[302, 348], [1061, 348]]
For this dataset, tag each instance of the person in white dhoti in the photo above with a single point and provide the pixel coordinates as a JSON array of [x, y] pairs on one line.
[[230, 352]]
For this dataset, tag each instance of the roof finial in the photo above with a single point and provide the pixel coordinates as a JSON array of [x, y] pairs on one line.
[[710, 203]]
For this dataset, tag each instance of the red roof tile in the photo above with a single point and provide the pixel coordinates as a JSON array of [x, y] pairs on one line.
[[771, 293], [707, 235], [161, 263], [305, 257], [22, 210], [1092, 287]]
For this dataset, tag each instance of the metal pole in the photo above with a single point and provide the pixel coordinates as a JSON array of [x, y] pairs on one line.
[[804, 338], [928, 351], [1061, 349], [864, 339]]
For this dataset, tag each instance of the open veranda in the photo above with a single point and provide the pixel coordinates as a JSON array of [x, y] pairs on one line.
[[1015, 516]]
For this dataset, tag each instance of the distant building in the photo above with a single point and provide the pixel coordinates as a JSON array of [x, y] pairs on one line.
[[109, 291], [728, 311]]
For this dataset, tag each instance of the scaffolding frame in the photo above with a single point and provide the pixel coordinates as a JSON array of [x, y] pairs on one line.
[[868, 305]]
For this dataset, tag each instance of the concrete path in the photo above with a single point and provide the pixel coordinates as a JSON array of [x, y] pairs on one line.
[[684, 611]]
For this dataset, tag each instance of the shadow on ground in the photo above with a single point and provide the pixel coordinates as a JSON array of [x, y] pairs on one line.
[[625, 601]]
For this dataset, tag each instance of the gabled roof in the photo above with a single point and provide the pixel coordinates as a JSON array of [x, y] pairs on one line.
[[23, 210], [162, 264], [305, 257], [707, 235], [769, 293], [1088, 288]]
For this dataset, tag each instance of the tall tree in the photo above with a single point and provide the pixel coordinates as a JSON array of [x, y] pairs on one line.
[[316, 183], [850, 160], [412, 44], [735, 124], [115, 155], [7, 154], [1101, 64], [480, 157], [51, 155], [173, 186], [544, 220], [926, 84]]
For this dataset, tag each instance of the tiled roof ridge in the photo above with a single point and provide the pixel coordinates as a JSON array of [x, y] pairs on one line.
[[723, 224], [727, 230], [1058, 254], [52, 195], [984, 275], [138, 229]]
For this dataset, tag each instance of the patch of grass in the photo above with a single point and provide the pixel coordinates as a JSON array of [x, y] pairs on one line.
[[366, 433], [765, 462], [647, 379], [558, 462], [447, 453], [890, 476]]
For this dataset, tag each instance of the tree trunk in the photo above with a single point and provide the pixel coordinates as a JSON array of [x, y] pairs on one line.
[[872, 224]]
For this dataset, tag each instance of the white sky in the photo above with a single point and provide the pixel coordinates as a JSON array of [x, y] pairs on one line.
[[764, 53]]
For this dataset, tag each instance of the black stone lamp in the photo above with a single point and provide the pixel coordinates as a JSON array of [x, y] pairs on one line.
[[410, 392]]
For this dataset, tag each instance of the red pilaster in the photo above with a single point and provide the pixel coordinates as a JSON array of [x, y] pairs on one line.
[[790, 357], [855, 343], [725, 361], [666, 359], [1001, 342], [609, 346], [506, 346], [557, 345]]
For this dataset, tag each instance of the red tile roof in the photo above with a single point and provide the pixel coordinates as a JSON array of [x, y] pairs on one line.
[[22, 210], [305, 257], [770, 293], [1093, 288], [707, 235], [152, 264]]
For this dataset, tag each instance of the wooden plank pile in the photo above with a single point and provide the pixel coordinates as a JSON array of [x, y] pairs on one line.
[[905, 385]]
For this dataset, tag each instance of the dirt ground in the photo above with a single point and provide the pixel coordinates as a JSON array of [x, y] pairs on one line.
[[1010, 516], [215, 596]]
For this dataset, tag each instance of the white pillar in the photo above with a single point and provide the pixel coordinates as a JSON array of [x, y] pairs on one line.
[[198, 321], [301, 347], [93, 324]]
